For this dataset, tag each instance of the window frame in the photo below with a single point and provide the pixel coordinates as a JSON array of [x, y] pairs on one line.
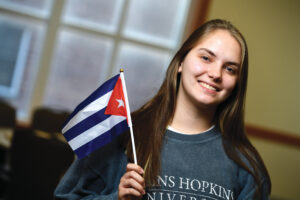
[[55, 22]]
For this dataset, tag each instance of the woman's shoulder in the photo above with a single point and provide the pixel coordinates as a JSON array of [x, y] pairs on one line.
[[96, 174], [108, 158], [247, 180], [248, 186]]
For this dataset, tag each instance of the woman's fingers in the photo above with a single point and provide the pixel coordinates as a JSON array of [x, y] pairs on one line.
[[132, 183], [134, 167], [133, 180], [136, 172]]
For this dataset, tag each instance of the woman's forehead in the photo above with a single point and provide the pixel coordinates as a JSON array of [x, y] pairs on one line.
[[222, 44]]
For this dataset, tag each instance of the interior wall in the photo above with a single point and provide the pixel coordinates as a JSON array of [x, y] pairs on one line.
[[271, 29], [283, 164]]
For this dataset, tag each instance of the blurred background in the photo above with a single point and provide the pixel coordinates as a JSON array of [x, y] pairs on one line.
[[54, 53]]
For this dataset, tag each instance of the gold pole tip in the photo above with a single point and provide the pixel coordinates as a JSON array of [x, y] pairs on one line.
[[121, 70]]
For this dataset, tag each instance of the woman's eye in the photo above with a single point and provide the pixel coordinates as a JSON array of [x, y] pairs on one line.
[[205, 58], [230, 69]]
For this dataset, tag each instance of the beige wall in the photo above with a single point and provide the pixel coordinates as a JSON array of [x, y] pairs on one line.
[[272, 30], [283, 164]]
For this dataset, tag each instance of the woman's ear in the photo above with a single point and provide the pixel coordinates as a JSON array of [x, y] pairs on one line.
[[180, 68]]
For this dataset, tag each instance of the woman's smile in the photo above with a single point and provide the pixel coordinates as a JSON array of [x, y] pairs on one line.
[[209, 87]]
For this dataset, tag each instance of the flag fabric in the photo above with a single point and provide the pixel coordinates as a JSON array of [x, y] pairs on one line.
[[98, 119]]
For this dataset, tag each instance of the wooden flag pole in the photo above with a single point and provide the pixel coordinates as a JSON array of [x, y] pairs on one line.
[[128, 114]]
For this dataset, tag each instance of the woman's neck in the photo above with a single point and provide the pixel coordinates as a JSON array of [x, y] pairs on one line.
[[191, 119]]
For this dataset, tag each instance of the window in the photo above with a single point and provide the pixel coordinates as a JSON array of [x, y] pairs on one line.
[[87, 42], [21, 45], [15, 42]]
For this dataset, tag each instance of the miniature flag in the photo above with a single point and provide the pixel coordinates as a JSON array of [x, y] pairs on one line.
[[98, 119]]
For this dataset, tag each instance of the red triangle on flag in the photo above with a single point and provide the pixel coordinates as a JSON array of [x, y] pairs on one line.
[[116, 104]]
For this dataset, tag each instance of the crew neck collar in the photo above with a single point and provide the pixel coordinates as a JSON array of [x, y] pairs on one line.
[[210, 133]]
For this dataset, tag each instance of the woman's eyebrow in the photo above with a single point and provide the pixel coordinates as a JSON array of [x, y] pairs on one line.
[[214, 55], [208, 51], [233, 63]]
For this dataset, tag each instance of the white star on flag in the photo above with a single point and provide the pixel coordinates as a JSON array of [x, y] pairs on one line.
[[121, 103]]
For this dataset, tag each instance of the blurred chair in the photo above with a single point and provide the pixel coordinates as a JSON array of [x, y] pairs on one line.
[[49, 120], [38, 163], [8, 115], [7, 125]]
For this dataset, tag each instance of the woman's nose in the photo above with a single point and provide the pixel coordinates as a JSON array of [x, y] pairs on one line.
[[215, 73]]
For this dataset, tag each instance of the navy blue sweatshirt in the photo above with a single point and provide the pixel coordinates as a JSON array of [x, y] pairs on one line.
[[194, 167]]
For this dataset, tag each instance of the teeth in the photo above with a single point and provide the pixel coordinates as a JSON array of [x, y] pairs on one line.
[[208, 86]]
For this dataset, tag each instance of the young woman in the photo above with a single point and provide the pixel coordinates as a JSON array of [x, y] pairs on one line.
[[190, 138]]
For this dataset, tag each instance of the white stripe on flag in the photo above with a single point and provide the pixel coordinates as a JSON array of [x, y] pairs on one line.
[[95, 131], [89, 110]]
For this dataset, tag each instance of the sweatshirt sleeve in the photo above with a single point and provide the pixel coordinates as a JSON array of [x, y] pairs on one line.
[[249, 187], [94, 177]]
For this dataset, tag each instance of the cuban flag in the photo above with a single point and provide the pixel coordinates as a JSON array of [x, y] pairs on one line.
[[98, 119]]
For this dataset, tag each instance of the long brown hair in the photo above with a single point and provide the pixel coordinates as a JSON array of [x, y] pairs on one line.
[[151, 120]]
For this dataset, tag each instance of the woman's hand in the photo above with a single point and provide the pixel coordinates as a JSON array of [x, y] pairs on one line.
[[132, 183]]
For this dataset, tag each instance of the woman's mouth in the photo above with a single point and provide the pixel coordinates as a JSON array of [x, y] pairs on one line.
[[209, 87]]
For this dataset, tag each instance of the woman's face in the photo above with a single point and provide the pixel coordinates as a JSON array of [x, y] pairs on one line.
[[210, 70]]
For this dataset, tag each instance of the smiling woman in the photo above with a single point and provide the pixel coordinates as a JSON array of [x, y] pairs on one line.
[[207, 77], [190, 138]]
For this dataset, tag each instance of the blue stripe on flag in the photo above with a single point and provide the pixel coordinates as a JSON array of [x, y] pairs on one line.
[[86, 124], [103, 89], [101, 140]]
